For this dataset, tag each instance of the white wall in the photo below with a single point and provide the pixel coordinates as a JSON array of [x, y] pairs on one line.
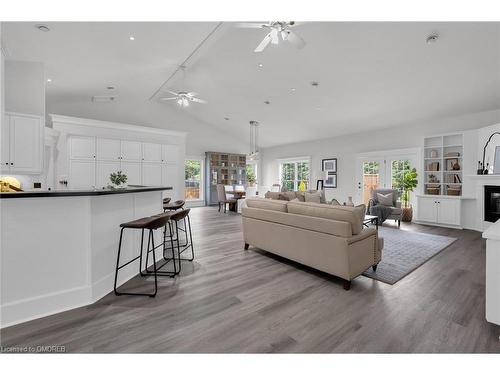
[[25, 87], [201, 137], [346, 148]]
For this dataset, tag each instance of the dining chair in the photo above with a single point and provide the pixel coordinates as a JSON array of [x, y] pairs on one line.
[[222, 197]]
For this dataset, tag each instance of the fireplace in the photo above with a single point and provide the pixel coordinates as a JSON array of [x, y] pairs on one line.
[[491, 203]]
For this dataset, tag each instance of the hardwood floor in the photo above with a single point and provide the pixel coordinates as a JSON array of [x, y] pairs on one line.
[[231, 300]]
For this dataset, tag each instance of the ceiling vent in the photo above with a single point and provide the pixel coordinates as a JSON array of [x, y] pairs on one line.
[[103, 98]]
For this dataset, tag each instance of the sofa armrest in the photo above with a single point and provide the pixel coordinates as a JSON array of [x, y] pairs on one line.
[[398, 204]]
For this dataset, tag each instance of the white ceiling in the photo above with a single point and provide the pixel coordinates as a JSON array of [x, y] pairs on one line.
[[371, 75]]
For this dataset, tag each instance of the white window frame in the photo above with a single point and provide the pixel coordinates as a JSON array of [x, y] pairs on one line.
[[300, 159], [202, 177]]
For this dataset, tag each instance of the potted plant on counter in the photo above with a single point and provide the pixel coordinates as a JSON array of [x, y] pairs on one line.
[[407, 183], [118, 180]]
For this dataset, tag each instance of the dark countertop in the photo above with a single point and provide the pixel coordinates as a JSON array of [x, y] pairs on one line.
[[81, 193]]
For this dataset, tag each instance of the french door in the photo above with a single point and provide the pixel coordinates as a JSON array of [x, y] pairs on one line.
[[377, 171]]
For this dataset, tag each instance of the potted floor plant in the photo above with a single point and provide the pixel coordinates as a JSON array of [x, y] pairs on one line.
[[407, 183]]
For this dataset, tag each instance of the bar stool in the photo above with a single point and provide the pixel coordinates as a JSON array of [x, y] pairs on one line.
[[166, 200], [177, 205], [146, 223], [175, 218]]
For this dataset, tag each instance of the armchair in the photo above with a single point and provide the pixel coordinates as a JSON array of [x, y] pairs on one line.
[[395, 212]]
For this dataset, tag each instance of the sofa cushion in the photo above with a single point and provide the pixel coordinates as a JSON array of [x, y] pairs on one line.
[[353, 215], [316, 224], [283, 197], [272, 195], [385, 199], [312, 197], [267, 204]]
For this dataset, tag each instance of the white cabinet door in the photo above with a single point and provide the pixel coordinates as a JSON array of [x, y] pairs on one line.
[[151, 152], [449, 211], [108, 149], [131, 151], [81, 174], [104, 169], [25, 144], [151, 174], [133, 171], [427, 209], [81, 147], [5, 136], [170, 176], [170, 154]]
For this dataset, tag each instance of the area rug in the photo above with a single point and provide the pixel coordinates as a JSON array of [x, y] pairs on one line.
[[404, 252]]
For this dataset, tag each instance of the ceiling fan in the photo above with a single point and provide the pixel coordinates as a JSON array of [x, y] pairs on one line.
[[276, 29], [183, 98]]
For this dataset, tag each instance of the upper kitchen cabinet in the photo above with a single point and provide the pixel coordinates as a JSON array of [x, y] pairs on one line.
[[22, 143], [131, 151], [151, 152], [108, 149], [82, 147], [170, 154]]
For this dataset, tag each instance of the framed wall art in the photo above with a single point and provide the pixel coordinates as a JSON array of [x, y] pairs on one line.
[[329, 168]]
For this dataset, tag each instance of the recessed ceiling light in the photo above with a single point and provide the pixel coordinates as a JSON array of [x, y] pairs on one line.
[[261, 65], [226, 118], [267, 102], [318, 108], [131, 37], [110, 87], [42, 27], [293, 89], [433, 38], [49, 80], [314, 83]]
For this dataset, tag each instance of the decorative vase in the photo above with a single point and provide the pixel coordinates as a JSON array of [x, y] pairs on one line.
[[349, 202], [407, 214], [117, 187]]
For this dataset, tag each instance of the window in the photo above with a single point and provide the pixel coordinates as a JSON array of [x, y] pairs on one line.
[[295, 174], [398, 169], [193, 180], [251, 173]]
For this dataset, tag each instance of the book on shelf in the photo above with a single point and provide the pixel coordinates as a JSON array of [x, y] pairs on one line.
[[453, 178], [452, 155], [434, 166]]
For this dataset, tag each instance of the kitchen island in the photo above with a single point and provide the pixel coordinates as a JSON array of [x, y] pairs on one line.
[[58, 248]]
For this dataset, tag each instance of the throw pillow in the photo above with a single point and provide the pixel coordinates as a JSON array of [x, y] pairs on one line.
[[272, 195], [312, 197], [295, 200], [385, 200], [283, 197], [300, 196], [335, 202]]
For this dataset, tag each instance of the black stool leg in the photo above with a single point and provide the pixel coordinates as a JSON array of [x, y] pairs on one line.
[[178, 244], [140, 258], [118, 261], [190, 239], [154, 262], [173, 249]]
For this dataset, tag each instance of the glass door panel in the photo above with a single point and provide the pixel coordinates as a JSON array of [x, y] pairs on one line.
[[372, 178]]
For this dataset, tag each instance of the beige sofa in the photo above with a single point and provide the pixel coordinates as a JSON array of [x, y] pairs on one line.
[[329, 238]]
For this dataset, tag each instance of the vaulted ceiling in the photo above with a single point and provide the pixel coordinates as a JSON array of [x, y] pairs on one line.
[[370, 75]]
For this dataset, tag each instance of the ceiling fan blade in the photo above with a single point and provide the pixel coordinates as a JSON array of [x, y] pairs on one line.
[[296, 40], [192, 94], [173, 92], [264, 43], [175, 98], [198, 100], [274, 36], [252, 25]]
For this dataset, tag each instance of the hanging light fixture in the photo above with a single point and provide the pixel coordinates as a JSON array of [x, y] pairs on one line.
[[254, 138]]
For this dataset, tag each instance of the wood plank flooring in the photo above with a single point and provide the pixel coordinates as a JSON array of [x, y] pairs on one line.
[[231, 300]]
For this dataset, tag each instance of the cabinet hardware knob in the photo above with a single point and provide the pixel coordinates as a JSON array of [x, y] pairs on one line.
[[11, 163]]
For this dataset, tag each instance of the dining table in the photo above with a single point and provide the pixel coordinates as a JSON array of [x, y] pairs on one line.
[[236, 195]]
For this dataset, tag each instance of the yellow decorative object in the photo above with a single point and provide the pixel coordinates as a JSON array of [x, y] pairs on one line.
[[302, 186], [7, 180]]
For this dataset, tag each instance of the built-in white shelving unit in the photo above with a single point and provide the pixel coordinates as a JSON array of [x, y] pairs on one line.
[[443, 165]]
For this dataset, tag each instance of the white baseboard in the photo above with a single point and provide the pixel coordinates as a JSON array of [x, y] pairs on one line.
[[48, 304]]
